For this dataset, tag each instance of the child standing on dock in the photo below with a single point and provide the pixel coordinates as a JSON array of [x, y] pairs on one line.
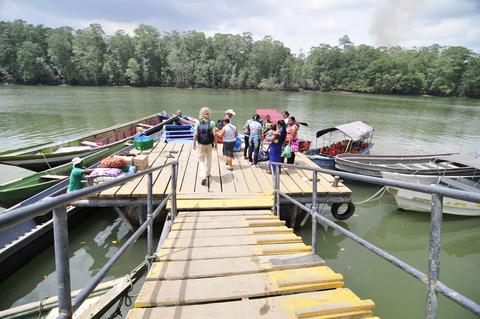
[[206, 142]]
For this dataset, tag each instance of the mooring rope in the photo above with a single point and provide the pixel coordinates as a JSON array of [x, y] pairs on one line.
[[381, 191]]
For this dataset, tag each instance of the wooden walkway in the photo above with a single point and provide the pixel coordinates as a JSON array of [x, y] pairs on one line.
[[232, 189], [241, 264]]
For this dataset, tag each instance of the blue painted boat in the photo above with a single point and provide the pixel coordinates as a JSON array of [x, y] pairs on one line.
[[355, 137]]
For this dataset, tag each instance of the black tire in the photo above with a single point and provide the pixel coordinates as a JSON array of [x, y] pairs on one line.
[[345, 215]]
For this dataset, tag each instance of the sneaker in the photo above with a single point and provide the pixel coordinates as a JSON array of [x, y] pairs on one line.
[[230, 168], [269, 172], [254, 166], [204, 181]]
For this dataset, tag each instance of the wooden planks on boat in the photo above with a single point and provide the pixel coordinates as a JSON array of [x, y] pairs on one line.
[[328, 304], [174, 292]]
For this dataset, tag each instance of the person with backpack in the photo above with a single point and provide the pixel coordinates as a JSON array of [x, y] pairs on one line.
[[255, 140], [229, 134], [204, 129]]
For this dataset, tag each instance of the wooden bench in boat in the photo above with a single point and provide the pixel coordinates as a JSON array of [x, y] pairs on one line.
[[144, 125]]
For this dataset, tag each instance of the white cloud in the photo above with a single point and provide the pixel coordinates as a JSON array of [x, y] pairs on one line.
[[298, 24]]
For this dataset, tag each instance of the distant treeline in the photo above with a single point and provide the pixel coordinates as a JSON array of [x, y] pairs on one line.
[[39, 55]]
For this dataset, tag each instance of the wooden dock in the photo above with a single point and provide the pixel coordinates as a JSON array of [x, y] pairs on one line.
[[244, 187], [241, 264]]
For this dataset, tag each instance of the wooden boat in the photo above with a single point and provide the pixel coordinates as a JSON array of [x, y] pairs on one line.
[[433, 164], [43, 156], [17, 190], [421, 202], [357, 138]]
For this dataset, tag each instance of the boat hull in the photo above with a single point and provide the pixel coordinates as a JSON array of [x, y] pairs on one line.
[[325, 160], [422, 202], [373, 165]]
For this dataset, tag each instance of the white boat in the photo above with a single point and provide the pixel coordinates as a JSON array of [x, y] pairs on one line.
[[421, 202]]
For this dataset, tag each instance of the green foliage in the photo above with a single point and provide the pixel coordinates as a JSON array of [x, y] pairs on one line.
[[35, 54]]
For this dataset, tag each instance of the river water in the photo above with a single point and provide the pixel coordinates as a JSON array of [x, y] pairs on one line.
[[31, 115]]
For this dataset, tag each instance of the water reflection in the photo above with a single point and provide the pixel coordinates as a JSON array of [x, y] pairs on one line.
[[328, 240]]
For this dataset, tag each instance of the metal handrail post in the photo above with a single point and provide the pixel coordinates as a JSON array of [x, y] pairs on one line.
[[434, 255], [277, 188], [149, 217], [174, 191], [314, 212], [62, 264]]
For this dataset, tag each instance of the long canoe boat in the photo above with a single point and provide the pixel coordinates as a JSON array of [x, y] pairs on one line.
[[433, 164], [41, 157], [17, 190]]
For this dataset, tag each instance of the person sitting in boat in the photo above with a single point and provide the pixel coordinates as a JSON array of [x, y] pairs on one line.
[[178, 116], [77, 174]]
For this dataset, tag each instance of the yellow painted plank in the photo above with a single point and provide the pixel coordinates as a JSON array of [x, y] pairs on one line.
[[229, 232], [175, 292], [231, 241], [191, 269], [265, 308], [229, 252], [228, 224]]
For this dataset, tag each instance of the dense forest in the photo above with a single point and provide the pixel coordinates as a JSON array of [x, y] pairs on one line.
[[40, 55]]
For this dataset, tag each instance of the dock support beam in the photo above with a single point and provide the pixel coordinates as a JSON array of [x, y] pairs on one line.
[[434, 255], [62, 264], [314, 212]]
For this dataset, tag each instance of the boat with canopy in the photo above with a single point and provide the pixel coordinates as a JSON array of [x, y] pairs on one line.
[[355, 137]]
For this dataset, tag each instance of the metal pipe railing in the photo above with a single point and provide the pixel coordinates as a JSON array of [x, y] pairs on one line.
[[434, 286], [60, 226]]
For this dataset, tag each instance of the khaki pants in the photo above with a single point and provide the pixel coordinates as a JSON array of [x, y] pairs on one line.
[[205, 153]]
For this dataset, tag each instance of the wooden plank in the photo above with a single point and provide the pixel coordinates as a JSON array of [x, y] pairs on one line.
[[228, 224], [162, 182], [252, 183], [227, 177], [238, 177], [348, 305], [182, 166], [175, 292], [215, 185], [191, 269], [229, 252], [190, 176], [231, 241], [195, 204], [226, 213], [229, 232], [225, 218]]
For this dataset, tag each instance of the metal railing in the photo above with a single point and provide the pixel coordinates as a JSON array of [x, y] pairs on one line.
[[431, 279], [58, 204]]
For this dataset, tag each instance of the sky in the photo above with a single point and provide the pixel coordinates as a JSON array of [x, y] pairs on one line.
[[299, 24]]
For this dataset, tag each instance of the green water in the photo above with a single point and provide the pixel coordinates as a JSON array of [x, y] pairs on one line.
[[30, 115]]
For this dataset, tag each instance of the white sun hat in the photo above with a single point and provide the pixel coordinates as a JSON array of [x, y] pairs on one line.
[[230, 111], [76, 161]]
